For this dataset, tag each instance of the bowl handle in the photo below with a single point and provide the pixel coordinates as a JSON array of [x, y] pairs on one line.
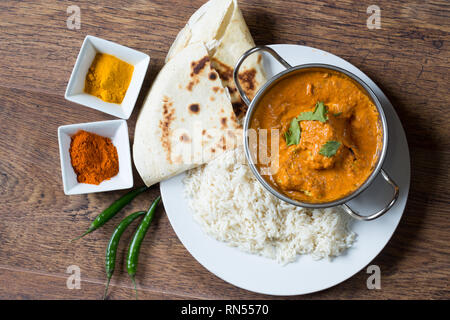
[[272, 52], [378, 214]]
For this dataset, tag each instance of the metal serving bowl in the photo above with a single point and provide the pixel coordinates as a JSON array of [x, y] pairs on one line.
[[252, 105]]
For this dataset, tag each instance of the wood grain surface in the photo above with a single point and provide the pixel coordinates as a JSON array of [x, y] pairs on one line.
[[408, 58]]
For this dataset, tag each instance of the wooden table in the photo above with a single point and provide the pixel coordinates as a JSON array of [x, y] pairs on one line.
[[408, 58]]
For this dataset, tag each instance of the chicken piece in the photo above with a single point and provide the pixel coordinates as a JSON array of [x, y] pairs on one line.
[[314, 134]]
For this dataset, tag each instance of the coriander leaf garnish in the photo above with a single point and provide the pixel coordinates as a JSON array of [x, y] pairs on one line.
[[337, 114], [292, 136], [330, 148], [319, 113]]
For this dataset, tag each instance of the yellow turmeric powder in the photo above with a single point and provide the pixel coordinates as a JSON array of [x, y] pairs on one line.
[[108, 78]]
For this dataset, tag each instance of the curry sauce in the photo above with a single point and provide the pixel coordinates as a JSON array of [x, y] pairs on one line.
[[309, 169]]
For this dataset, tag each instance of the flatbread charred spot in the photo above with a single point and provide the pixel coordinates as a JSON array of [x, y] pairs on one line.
[[218, 89], [239, 108], [196, 69], [212, 75], [231, 90], [198, 66], [222, 143], [233, 117], [248, 80], [192, 83], [194, 108], [223, 121], [164, 124], [185, 138], [225, 72]]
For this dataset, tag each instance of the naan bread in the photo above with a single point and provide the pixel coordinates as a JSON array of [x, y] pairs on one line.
[[219, 24], [187, 118]]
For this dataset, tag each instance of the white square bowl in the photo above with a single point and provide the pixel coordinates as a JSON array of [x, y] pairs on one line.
[[75, 88], [117, 131]]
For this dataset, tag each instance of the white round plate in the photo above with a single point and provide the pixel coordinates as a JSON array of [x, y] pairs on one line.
[[263, 275]]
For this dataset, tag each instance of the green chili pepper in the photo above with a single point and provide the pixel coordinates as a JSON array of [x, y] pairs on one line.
[[111, 250], [135, 245], [112, 210]]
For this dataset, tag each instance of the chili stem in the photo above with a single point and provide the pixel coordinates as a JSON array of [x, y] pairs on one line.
[[107, 286], [134, 283]]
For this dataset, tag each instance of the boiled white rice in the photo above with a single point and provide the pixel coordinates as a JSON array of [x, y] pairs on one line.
[[232, 206]]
